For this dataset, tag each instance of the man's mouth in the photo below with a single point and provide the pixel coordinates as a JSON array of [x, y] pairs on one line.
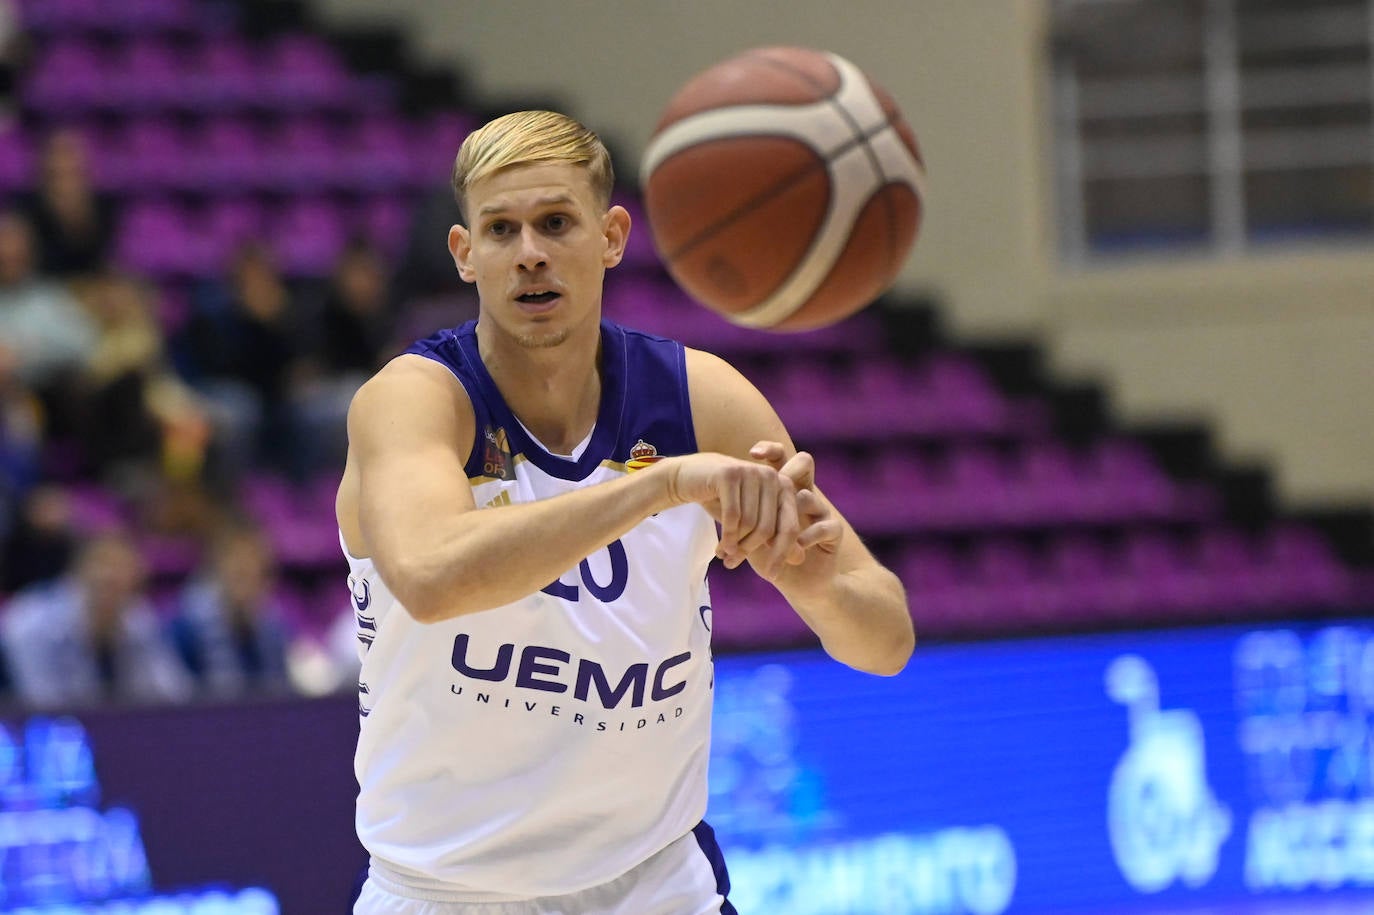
[[536, 298]]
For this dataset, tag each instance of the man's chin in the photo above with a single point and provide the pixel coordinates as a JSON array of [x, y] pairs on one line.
[[543, 339]]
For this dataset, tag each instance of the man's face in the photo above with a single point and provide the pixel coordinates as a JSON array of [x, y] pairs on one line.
[[537, 245]]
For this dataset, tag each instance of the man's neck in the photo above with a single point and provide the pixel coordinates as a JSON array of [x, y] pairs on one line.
[[554, 391]]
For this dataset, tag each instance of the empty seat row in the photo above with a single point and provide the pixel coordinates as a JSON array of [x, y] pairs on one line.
[[293, 71], [133, 17], [237, 155], [163, 239], [894, 490]]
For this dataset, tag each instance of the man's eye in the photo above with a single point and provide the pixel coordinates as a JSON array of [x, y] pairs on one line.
[[557, 223], [498, 228]]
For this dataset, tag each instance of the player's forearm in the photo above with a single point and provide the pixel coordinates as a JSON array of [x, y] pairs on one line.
[[492, 557], [861, 618]]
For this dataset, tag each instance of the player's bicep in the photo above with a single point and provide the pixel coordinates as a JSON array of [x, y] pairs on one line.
[[410, 430], [729, 414]]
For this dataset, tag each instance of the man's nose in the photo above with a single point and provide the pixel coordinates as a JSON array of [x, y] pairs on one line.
[[532, 253]]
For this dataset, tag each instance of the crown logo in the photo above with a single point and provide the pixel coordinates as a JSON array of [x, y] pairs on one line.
[[642, 450]]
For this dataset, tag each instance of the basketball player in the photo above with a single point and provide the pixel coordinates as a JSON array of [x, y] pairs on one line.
[[529, 507]]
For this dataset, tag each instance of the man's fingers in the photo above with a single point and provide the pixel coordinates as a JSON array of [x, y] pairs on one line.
[[784, 544], [729, 518], [801, 470], [824, 534], [765, 522], [770, 453]]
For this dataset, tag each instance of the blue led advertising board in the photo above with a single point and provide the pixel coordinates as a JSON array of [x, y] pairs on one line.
[[1141, 772]]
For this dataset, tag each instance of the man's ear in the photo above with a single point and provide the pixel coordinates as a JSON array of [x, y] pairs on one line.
[[617, 228], [460, 246]]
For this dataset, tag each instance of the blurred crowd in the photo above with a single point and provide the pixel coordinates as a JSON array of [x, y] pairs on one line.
[[167, 399]]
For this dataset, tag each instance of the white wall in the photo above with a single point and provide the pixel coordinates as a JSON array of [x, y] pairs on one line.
[[1278, 351]]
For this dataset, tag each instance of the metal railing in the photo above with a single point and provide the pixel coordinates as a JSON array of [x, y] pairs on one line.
[[1211, 123]]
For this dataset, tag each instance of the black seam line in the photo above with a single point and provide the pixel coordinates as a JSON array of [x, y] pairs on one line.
[[830, 99], [775, 189], [889, 211]]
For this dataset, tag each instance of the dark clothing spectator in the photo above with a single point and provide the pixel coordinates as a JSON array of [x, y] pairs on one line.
[[75, 243], [73, 223], [229, 656], [229, 629], [242, 351]]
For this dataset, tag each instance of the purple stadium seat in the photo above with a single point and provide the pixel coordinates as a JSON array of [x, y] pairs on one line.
[[885, 398], [935, 585], [434, 144], [69, 77], [62, 16], [152, 15], [307, 236], [1078, 574], [1310, 571], [1125, 479], [809, 398], [747, 611], [1164, 580], [977, 482], [385, 221], [904, 496], [154, 237], [963, 394], [376, 153], [150, 155], [229, 156], [1048, 484], [303, 73], [230, 222], [16, 160], [147, 74], [303, 156], [225, 74]]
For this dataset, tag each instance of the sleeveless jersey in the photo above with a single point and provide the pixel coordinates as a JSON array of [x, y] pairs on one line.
[[551, 744]]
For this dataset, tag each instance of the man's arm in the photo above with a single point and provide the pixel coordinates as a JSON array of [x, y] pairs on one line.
[[857, 607], [410, 429]]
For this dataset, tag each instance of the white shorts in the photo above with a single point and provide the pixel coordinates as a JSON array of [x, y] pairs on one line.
[[686, 878]]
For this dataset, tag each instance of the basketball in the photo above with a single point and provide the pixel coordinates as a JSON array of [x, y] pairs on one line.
[[783, 188]]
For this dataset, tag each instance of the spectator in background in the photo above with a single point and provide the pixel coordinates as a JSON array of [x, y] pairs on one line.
[[39, 542], [229, 629], [43, 328], [424, 290], [12, 52], [21, 441], [138, 419], [91, 634], [356, 333], [242, 350], [354, 336], [74, 224]]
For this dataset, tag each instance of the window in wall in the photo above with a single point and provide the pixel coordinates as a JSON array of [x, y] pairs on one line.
[[1212, 125]]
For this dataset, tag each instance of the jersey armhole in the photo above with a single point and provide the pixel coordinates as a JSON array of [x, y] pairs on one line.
[[480, 420]]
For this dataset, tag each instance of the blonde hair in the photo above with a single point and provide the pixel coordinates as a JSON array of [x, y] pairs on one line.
[[531, 138]]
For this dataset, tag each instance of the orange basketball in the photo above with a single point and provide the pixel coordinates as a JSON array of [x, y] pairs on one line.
[[783, 188]]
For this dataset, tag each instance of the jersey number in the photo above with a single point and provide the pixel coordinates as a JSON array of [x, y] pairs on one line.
[[620, 577]]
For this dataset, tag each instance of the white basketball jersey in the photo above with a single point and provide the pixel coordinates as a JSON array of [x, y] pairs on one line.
[[551, 744]]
